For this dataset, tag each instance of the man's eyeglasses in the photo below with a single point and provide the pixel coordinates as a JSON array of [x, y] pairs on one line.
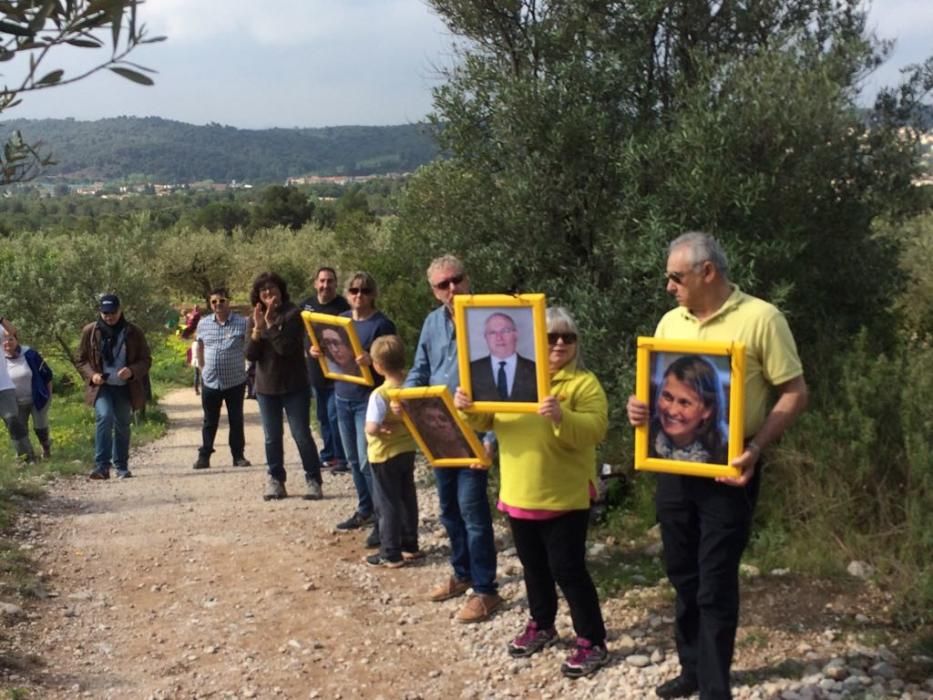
[[218, 302], [500, 333], [444, 285], [359, 290], [568, 338], [678, 277]]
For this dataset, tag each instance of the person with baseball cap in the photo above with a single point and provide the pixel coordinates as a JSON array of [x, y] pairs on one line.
[[114, 360]]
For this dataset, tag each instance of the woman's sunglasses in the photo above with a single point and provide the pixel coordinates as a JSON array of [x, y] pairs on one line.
[[568, 338]]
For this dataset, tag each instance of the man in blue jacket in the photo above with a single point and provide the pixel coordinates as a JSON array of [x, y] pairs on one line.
[[462, 491]]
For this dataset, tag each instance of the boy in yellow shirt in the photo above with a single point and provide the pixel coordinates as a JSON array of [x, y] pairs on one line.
[[391, 453]]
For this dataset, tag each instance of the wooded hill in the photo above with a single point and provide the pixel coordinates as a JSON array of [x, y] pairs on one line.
[[175, 152]]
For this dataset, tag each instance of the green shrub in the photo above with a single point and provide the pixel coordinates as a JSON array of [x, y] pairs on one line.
[[854, 478]]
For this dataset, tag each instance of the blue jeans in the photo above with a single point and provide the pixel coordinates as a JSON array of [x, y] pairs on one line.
[[351, 417], [113, 411], [466, 517], [326, 406], [297, 407]]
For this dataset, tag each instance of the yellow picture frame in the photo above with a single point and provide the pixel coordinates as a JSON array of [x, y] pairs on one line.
[[316, 324], [669, 373], [463, 440], [472, 313]]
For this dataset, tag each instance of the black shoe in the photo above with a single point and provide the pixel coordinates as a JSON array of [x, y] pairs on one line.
[[680, 687], [379, 560], [202, 463], [99, 474], [355, 521], [372, 540], [242, 462], [340, 469]]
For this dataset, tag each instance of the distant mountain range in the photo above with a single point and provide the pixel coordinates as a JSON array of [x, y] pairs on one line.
[[167, 151]]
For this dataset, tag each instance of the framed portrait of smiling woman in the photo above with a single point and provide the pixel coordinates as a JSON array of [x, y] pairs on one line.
[[444, 438], [695, 391], [502, 351], [336, 338]]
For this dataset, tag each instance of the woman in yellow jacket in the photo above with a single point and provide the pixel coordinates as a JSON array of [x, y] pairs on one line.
[[548, 465]]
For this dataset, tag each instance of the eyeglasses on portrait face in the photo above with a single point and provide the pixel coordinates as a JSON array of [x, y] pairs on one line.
[[445, 284], [568, 338], [359, 290], [501, 333], [218, 302]]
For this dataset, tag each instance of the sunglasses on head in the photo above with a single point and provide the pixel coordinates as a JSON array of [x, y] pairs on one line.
[[359, 290], [445, 284], [568, 338]]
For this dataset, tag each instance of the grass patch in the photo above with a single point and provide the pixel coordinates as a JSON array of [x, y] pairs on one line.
[[621, 570]]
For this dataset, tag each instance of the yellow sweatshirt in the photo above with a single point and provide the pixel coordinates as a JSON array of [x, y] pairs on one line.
[[546, 466]]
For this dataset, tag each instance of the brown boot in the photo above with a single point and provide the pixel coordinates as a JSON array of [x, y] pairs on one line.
[[451, 588], [479, 606]]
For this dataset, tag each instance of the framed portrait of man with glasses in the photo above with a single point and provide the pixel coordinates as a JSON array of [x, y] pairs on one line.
[[695, 391], [339, 345], [502, 351]]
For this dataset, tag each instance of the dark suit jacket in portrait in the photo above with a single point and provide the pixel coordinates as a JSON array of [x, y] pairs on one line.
[[524, 386]]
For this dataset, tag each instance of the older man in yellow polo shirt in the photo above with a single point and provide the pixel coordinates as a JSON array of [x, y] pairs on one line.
[[705, 524]]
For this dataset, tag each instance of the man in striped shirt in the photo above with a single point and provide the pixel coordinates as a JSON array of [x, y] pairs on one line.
[[221, 355]]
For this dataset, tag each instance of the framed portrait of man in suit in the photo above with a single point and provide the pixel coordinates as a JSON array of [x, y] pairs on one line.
[[336, 338], [502, 351], [695, 391], [444, 438]]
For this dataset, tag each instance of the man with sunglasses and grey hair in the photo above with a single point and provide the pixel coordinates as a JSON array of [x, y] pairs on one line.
[[464, 505], [705, 523], [221, 338]]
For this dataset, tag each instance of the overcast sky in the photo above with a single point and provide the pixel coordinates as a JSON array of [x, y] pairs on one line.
[[288, 63]]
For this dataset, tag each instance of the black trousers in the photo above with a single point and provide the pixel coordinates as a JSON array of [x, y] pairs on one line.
[[705, 527], [554, 551], [396, 502], [211, 401]]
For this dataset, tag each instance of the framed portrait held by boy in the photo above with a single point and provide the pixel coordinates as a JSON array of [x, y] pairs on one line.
[[502, 351], [339, 344], [695, 391], [444, 438]]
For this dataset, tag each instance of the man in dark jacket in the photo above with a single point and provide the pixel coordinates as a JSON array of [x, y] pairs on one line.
[[325, 300], [114, 360]]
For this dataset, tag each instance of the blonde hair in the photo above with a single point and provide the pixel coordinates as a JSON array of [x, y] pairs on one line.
[[559, 320], [389, 352], [366, 280]]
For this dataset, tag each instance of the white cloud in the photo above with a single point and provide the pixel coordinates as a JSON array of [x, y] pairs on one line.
[[277, 22]]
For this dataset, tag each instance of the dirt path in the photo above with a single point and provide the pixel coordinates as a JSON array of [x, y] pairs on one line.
[[186, 584], [183, 583]]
